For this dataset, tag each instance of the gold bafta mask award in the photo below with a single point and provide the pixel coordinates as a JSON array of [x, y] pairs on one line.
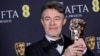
[[77, 27], [20, 48], [90, 41]]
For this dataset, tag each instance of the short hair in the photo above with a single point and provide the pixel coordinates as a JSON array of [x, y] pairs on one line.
[[54, 5]]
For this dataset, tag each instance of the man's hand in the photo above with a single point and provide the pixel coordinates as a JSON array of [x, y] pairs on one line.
[[76, 49]]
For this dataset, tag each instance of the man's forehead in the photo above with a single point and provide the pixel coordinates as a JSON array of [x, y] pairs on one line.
[[51, 12]]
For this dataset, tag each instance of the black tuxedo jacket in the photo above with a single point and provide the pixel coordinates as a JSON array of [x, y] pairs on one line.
[[44, 48]]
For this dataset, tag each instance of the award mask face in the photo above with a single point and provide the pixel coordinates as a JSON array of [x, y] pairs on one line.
[[77, 27], [90, 41], [20, 48]]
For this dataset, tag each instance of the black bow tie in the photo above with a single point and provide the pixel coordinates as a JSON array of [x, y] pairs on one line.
[[59, 42]]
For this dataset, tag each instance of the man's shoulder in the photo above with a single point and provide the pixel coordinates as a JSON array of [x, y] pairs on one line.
[[39, 44], [33, 48], [35, 45]]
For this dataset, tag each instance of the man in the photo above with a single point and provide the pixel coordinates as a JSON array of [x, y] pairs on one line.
[[53, 19]]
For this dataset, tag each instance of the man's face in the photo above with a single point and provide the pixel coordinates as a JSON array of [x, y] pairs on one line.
[[52, 22]]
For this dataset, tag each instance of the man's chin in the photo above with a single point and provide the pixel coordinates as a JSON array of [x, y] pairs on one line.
[[53, 35]]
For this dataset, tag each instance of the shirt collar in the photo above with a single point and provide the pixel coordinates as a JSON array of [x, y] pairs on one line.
[[50, 38]]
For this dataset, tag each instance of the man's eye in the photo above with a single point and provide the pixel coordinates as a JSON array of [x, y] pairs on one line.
[[57, 18], [47, 19]]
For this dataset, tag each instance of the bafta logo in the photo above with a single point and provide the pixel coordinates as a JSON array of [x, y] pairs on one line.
[[77, 27], [20, 48], [90, 41]]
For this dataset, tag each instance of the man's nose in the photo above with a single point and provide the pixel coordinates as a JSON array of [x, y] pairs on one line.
[[52, 22]]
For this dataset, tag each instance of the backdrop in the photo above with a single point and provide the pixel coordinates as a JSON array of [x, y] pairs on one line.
[[20, 23]]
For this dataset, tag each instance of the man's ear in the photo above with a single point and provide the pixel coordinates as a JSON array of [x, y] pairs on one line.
[[65, 20], [42, 21]]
